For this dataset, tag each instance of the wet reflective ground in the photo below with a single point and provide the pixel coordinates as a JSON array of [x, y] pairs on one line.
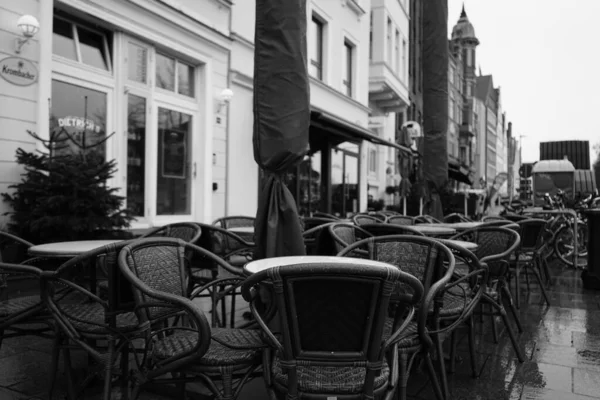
[[562, 345]]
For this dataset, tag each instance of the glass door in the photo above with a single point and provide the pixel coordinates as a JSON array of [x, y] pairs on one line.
[[344, 182], [174, 163]]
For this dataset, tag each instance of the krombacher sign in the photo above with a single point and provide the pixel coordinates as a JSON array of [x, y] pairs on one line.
[[18, 71]]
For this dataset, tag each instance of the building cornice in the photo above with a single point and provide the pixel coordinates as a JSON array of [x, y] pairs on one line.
[[339, 94], [236, 37]]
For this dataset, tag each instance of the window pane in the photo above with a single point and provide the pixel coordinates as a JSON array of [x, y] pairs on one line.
[[315, 48], [79, 113], [138, 63], [92, 48], [185, 79], [63, 43], [136, 153], [165, 72], [173, 180]]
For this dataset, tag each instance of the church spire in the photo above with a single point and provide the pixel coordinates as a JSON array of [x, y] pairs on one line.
[[463, 14]]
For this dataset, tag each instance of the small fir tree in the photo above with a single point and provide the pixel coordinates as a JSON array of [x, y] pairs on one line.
[[63, 194]]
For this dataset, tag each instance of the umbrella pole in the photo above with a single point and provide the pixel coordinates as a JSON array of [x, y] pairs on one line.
[[420, 206], [466, 197], [404, 204]]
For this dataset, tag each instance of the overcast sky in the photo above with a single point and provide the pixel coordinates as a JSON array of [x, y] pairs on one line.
[[545, 57]]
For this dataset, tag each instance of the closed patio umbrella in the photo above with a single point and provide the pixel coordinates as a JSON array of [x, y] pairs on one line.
[[281, 121]]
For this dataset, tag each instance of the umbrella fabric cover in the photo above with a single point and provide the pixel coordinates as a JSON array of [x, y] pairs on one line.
[[281, 121]]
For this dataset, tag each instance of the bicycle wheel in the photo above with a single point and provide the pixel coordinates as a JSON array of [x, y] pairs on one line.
[[564, 245]]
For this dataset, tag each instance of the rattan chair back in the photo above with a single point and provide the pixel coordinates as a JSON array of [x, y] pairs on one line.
[[318, 241], [495, 245], [186, 231], [456, 217], [531, 232], [426, 219], [344, 234], [400, 220], [312, 222], [235, 221], [362, 219], [390, 229], [332, 319]]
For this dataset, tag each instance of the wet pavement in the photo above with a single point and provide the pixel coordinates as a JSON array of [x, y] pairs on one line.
[[561, 342]]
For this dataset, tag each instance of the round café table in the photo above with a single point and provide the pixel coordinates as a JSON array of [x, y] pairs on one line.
[[458, 226], [461, 243], [433, 229], [67, 249], [260, 265]]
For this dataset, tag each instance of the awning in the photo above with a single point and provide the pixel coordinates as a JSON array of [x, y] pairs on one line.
[[457, 173], [585, 181], [349, 130]]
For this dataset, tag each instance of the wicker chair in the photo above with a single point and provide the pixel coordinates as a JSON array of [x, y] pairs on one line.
[[313, 222], [319, 214], [528, 255], [83, 318], [456, 217], [426, 219], [503, 223], [318, 240], [188, 350], [332, 319], [495, 245], [463, 294], [390, 229], [432, 263], [400, 220], [186, 231], [23, 304], [490, 218], [344, 234], [362, 219]]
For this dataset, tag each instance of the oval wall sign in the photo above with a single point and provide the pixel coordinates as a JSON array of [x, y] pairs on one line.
[[18, 71]]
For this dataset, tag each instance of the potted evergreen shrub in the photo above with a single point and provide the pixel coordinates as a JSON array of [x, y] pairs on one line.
[[63, 194]]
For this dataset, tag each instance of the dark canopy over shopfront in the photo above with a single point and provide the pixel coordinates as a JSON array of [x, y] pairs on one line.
[[281, 121]]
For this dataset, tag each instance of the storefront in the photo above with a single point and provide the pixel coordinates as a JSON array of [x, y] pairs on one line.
[[332, 177], [149, 84]]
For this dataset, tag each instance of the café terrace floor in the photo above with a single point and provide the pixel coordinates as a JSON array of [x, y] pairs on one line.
[[562, 344]]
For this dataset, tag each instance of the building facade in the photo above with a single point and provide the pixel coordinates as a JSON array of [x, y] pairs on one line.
[[461, 125], [389, 92], [153, 80]]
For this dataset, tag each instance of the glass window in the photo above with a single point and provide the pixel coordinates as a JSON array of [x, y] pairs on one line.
[[165, 72], [389, 41], [397, 52], [137, 61], [92, 48], [174, 183], [315, 48], [79, 44], [63, 42], [372, 160], [77, 117], [185, 79], [136, 153], [347, 71]]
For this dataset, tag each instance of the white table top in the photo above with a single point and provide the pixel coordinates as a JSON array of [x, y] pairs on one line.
[[467, 245], [67, 249], [241, 229], [260, 265], [433, 229]]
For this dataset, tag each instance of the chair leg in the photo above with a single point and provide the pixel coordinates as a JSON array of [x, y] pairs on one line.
[[539, 279], [513, 310], [227, 380], [402, 375], [442, 365], [518, 286], [453, 341], [511, 334], [109, 369], [472, 353], [54, 363], [232, 311], [125, 371], [494, 329], [432, 377], [71, 395]]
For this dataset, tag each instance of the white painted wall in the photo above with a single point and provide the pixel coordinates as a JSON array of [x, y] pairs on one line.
[[18, 104]]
